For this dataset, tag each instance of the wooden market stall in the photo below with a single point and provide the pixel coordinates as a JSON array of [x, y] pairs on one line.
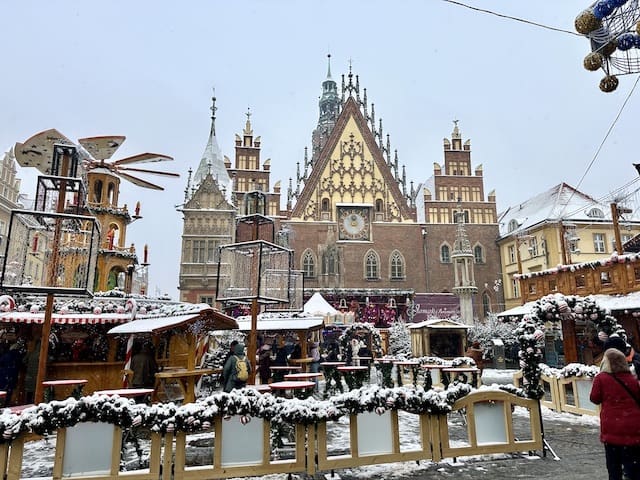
[[442, 338], [179, 340], [81, 348]]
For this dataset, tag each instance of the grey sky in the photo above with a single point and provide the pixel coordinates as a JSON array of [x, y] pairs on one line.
[[146, 70]]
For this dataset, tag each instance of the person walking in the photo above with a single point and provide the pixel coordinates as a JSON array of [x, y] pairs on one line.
[[236, 370], [617, 391], [264, 363]]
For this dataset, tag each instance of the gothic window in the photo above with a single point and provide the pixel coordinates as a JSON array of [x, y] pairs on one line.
[[397, 266], [308, 264], [478, 254], [371, 266], [486, 304], [330, 262], [111, 193], [445, 254], [325, 204], [379, 206]]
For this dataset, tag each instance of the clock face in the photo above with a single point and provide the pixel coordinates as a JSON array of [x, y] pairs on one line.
[[353, 223]]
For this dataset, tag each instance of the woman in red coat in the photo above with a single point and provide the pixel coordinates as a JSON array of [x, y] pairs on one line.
[[617, 391]]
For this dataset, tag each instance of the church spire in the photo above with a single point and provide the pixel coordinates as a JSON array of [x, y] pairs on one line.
[[212, 161]]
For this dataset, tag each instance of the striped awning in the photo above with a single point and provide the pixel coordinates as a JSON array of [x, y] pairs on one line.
[[66, 319]]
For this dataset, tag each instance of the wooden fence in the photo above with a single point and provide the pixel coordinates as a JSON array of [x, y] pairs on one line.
[[240, 446]]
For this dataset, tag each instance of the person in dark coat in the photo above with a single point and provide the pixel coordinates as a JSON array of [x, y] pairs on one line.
[[617, 391], [232, 346], [229, 371], [10, 363], [144, 367], [264, 363]]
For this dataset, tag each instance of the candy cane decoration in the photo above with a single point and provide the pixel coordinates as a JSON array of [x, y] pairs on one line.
[[7, 303], [131, 306]]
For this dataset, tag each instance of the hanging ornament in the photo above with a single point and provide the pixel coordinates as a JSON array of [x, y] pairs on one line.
[[587, 22], [609, 83]]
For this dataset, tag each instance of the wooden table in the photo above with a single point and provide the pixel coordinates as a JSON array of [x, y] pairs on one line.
[[299, 389], [412, 365], [462, 374], [332, 377], [302, 376], [302, 362], [50, 386], [186, 379], [354, 376], [126, 392], [278, 371]]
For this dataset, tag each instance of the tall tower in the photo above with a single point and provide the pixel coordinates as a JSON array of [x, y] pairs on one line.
[[329, 104], [464, 282]]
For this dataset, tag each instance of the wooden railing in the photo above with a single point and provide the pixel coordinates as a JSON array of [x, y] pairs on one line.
[[242, 446]]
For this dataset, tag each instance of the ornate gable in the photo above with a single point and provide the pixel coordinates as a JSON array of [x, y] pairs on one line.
[[208, 196], [351, 170]]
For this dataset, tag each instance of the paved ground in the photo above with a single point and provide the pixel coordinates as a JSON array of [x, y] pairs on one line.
[[576, 444]]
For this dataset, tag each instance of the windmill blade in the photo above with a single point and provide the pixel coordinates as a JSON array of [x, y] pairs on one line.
[[102, 148], [139, 182], [37, 151], [150, 172], [143, 158]]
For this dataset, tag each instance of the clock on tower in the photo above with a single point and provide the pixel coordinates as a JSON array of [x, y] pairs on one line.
[[353, 223]]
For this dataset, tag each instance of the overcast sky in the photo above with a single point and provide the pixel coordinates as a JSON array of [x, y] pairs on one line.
[[146, 69]]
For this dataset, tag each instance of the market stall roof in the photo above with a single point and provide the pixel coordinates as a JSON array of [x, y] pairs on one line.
[[267, 322], [319, 306], [213, 320], [518, 311], [438, 323], [65, 319]]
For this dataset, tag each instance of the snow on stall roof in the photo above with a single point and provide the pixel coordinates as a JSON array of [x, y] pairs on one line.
[[319, 306], [281, 321]]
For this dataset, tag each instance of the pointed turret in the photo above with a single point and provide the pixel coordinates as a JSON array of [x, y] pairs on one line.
[[212, 159], [329, 105]]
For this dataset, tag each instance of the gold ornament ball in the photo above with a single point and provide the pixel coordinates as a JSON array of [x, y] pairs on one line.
[[608, 49], [593, 61], [609, 83], [638, 28], [587, 22]]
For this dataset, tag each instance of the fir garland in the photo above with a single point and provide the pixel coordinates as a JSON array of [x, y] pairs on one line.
[[354, 329]]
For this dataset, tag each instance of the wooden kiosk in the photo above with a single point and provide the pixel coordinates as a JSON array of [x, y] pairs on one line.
[[442, 338], [180, 338]]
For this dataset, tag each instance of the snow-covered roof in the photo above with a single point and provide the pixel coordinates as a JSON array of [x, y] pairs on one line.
[[319, 306], [561, 202], [218, 321], [613, 303], [517, 311], [68, 319], [275, 323], [439, 323]]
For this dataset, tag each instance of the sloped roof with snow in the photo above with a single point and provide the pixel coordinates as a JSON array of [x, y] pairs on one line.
[[561, 202], [319, 306]]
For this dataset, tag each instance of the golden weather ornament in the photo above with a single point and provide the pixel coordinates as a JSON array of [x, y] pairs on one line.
[[613, 29]]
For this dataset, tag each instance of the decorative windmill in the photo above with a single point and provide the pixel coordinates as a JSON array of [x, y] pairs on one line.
[[94, 152], [614, 31]]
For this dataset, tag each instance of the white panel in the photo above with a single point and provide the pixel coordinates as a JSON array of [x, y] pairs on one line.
[[490, 422], [242, 444], [584, 390], [374, 433], [87, 450]]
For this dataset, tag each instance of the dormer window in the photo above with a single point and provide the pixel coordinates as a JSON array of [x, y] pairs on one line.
[[513, 225], [595, 213]]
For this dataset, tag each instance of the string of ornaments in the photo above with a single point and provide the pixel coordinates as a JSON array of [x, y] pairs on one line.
[[608, 24]]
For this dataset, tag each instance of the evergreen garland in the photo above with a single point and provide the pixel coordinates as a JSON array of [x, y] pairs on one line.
[[353, 329]]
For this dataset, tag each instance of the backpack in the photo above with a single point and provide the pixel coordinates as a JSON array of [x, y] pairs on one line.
[[242, 369]]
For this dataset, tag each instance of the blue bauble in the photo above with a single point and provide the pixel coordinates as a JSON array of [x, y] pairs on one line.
[[603, 8], [625, 41], [618, 3], [636, 41]]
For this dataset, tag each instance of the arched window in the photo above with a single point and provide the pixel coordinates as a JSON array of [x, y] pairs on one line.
[[325, 204], [445, 254], [371, 266], [379, 206], [97, 191], [111, 193], [486, 304], [396, 266], [308, 264], [478, 254]]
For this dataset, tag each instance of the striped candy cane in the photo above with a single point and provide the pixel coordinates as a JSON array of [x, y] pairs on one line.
[[131, 306]]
